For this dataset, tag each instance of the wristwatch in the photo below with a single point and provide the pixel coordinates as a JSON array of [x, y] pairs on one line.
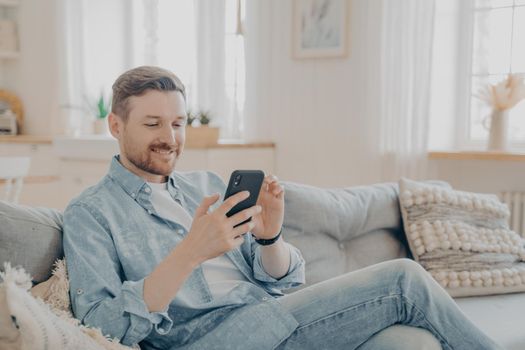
[[269, 241]]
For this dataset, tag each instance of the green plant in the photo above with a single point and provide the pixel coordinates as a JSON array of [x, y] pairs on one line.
[[100, 107], [205, 118], [198, 118]]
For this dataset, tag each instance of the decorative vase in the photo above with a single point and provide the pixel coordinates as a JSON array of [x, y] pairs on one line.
[[499, 131], [100, 127]]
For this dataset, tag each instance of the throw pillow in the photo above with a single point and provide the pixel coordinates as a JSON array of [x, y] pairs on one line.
[[42, 326], [462, 239], [55, 291], [9, 335]]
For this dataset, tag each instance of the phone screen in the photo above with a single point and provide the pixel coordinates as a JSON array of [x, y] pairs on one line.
[[244, 180]]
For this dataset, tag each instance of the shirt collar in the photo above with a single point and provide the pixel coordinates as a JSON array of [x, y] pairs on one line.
[[131, 183]]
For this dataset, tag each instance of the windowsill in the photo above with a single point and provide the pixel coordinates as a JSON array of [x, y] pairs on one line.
[[102, 147], [102, 138], [477, 155], [26, 139]]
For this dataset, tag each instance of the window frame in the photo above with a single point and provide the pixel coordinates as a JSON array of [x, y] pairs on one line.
[[466, 76]]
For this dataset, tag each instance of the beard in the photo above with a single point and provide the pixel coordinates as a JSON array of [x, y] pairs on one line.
[[147, 160]]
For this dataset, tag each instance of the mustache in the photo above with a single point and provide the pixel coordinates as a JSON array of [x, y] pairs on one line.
[[164, 146]]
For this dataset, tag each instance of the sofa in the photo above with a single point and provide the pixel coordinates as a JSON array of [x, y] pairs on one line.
[[337, 230]]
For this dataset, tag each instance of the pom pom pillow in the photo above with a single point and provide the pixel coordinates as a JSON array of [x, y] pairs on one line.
[[462, 239]]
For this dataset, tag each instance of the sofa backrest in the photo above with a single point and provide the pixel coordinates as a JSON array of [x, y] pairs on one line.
[[30, 237], [344, 229], [337, 230]]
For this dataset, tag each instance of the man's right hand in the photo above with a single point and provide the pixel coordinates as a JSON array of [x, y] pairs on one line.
[[213, 233]]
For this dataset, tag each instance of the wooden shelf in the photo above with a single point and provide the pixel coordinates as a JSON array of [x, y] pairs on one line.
[[25, 139], [477, 155], [49, 140], [37, 179], [239, 144]]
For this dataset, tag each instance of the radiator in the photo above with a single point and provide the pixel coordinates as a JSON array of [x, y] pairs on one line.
[[516, 203]]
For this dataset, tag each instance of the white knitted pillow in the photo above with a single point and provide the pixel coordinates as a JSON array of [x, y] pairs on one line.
[[462, 239], [39, 327], [48, 326]]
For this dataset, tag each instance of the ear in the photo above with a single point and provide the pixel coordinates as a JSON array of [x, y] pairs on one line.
[[115, 125]]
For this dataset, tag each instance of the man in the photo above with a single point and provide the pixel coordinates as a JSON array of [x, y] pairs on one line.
[[153, 259]]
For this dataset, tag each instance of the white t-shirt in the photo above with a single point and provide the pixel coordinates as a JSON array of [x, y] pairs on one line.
[[220, 272]]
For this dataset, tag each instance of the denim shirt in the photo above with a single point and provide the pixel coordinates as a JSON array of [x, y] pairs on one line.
[[113, 239]]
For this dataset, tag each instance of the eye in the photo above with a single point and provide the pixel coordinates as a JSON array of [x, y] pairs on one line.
[[151, 125]]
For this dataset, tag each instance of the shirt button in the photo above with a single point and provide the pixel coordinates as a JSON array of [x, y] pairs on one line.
[[180, 231], [147, 190], [341, 246], [80, 291], [133, 195], [264, 298]]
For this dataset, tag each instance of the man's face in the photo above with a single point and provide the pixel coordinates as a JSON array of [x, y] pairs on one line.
[[152, 138]]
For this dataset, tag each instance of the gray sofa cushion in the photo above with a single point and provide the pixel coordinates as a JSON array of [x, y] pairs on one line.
[[30, 237], [344, 229]]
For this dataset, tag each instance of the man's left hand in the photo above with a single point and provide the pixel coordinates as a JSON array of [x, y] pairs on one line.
[[271, 198]]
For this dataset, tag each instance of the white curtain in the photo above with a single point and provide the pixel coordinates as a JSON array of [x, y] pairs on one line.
[[407, 37], [71, 53], [210, 74]]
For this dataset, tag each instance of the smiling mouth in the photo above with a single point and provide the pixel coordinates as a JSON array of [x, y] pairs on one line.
[[162, 151]]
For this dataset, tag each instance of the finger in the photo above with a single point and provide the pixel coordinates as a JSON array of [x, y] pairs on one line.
[[232, 201], [275, 188], [205, 205], [281, 195], [268, 179], [242, 229], [244, 215]]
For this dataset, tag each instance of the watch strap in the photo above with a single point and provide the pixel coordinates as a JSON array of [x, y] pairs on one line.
[[270, 240]]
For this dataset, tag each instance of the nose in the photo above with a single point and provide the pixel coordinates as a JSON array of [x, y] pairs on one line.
[[168, 135]]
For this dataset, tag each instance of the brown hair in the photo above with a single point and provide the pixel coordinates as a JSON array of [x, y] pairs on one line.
[[137, 81]]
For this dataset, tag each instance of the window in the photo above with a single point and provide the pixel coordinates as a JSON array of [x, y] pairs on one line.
[[201, 42], [498, 48]]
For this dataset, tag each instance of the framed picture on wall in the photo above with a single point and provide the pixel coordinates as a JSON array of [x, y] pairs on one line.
[[320, 28]]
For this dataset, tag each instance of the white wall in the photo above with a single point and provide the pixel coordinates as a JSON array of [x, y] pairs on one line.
[[319, 111]]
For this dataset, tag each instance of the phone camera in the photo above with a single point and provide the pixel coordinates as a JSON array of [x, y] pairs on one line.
[[237, 180]]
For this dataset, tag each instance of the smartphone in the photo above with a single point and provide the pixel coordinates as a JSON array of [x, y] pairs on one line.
[[244, 180]]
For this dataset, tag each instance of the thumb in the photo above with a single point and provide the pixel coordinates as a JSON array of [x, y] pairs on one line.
[[205, 205]]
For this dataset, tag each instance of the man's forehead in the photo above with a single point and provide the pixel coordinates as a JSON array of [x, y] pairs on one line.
[[155, 117]]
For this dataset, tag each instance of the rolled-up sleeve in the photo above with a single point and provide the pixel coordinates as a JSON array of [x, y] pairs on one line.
[[293, 278], [100, 296]]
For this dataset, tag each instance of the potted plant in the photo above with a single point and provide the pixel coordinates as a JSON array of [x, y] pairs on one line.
[[199, 133], [100, 109]]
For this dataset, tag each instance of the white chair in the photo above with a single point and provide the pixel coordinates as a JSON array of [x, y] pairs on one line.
[[12, 173]]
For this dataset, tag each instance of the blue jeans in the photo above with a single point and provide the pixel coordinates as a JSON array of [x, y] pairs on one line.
[[346, 312]]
